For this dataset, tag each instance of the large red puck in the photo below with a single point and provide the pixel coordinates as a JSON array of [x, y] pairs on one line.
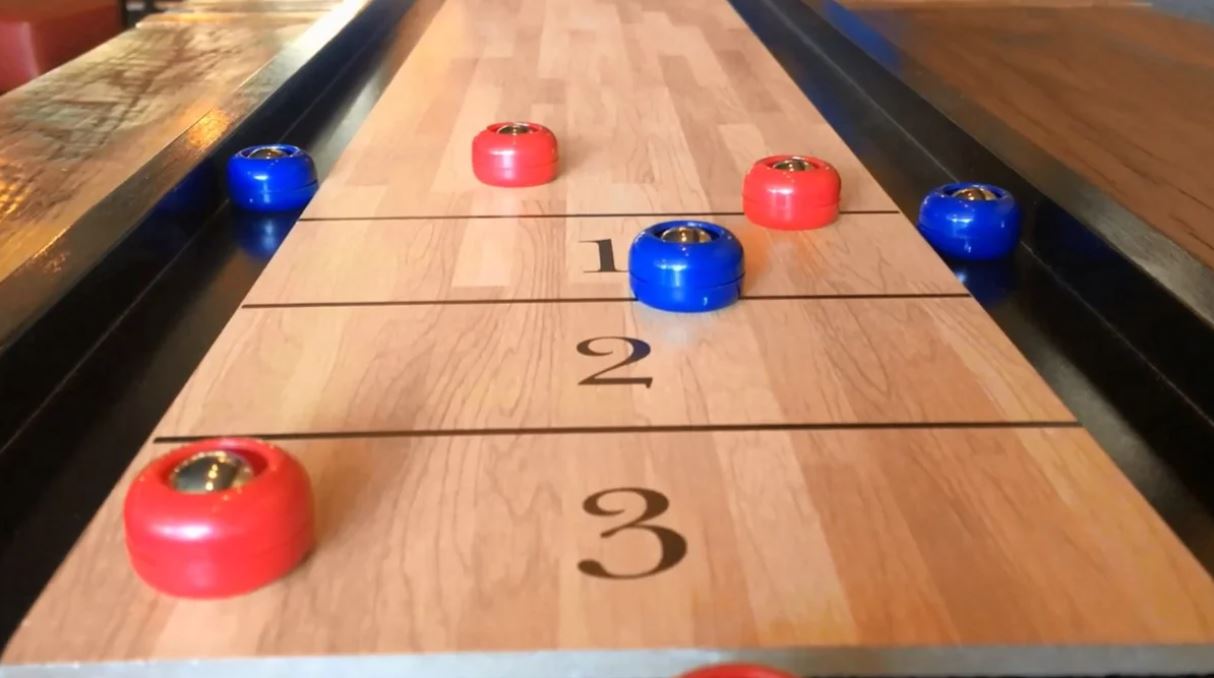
[[218, 518], [514, 154], [791, 192], [736, 671]]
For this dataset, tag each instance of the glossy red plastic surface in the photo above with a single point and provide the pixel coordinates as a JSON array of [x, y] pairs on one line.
[[791, 200], [514, 160], [737, 671], [220, 543]]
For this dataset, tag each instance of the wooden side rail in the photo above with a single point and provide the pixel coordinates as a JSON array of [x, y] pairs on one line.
[[69, 138], [89, 151]]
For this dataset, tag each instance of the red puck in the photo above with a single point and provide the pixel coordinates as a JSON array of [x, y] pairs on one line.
[[736, 671], [217, 518], [791, 192], [514, 154]]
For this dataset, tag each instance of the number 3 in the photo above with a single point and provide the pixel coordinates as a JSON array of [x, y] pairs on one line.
[[674, 546]]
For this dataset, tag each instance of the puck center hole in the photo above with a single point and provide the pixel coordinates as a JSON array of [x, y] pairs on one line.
[[794, 164], [975, 194], [268, 153], [212, 471], [515, 129], [687, 234]]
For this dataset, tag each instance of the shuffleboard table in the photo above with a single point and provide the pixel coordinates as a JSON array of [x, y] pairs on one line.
[[520, 471]]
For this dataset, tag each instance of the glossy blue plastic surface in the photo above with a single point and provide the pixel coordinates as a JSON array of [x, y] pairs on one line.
[[686, 277], [261, 234], [271, 184], [973, 230], [195, 194]]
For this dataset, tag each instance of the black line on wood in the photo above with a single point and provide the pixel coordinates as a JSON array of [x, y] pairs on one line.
[[589, 215], [577, 300], [588, 430]]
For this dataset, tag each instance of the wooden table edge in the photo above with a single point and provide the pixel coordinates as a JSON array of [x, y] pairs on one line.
[[1036, 660]]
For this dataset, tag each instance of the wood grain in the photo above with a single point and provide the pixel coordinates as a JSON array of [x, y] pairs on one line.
[[1044, 72], [245, 6], [427, 260], [516, 365], [292, 18], [69, 138], [660, 107], [828, 538], [446, 528]]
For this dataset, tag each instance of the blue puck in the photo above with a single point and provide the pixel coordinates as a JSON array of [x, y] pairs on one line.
[[970, 221], [274, 178], [686, 266]]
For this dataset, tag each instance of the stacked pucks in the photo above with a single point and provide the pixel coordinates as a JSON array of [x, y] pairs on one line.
[[970, 221], [514, 154], [274, 178], [686, 266], [736, 671], [791, 192], [218, 518]]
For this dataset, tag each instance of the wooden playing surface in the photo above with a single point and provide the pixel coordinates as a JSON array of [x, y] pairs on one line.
[[846, 538], [510, 454], [399, 260], [467, 366], [660, 107]]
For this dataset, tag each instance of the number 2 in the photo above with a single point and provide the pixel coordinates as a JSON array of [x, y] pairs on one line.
[[637, 351], [673, 545]]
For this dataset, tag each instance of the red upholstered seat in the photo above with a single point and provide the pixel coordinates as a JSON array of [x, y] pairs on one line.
[[38, 35]]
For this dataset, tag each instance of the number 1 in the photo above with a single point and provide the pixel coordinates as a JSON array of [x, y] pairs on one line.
[[606, 256]]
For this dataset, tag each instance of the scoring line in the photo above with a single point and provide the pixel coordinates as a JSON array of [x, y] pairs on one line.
[[587, 430], [587, 215], [576, 300]]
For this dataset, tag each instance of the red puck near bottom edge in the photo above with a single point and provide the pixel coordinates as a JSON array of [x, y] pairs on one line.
[[791, 192], [736, 671], [218, 518], [514, 154]]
